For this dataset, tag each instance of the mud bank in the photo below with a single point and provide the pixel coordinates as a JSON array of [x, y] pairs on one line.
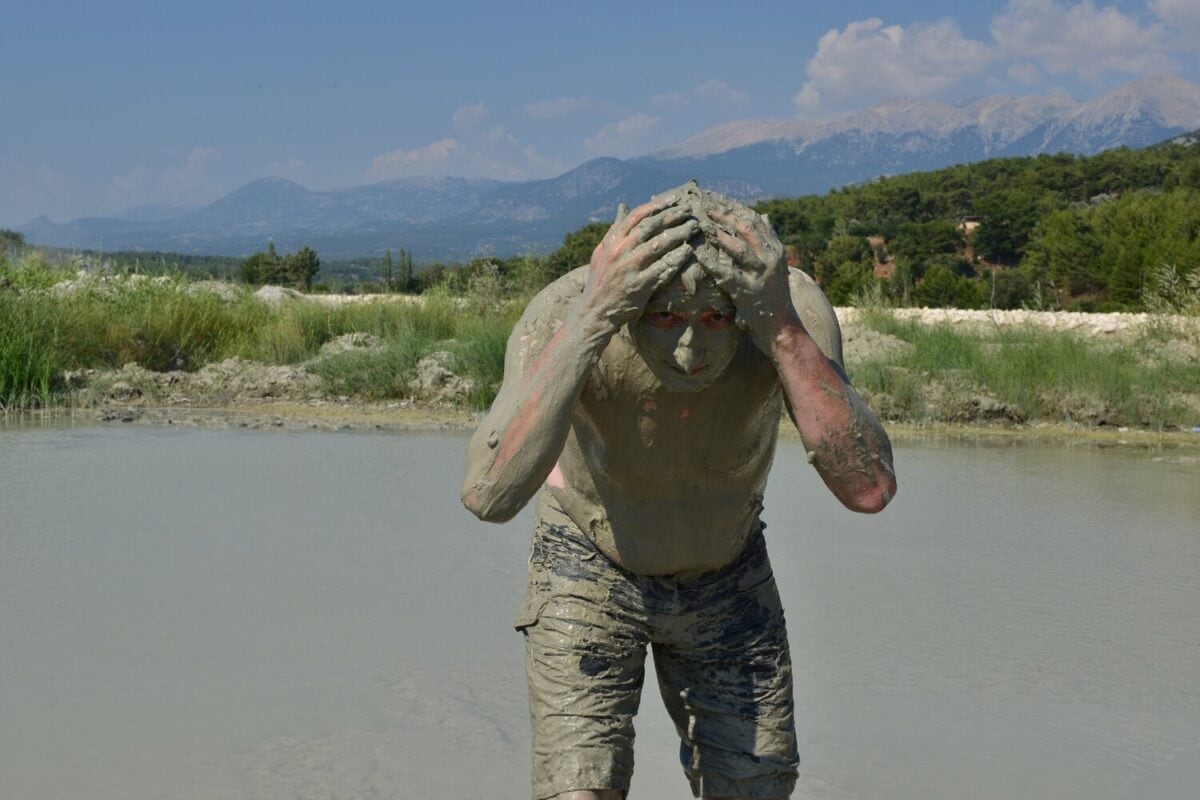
[[239, 393], [408, 417], [1117, 325]]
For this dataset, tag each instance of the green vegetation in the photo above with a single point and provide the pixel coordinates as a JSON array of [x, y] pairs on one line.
[[296, 269], [1120, 230], [952, 374], [53, 323], [1080, 233]]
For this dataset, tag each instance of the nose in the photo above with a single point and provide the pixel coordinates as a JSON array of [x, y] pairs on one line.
[[688, 353]]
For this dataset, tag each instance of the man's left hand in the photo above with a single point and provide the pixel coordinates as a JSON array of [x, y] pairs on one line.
[[749, 265]]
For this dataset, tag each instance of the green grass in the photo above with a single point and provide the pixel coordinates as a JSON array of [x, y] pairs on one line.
[[167, 324], [1040, 375], [29, 361]]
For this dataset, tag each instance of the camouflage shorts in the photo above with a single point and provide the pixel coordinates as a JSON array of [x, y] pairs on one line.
[[720, 651]]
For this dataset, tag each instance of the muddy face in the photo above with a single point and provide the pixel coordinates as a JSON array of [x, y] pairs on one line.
[[687, 334]]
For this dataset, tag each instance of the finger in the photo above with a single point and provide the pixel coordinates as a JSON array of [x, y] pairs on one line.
[[663, 220], [738, 250], [706, 253], [721, 267], [622, 213], [647, 209], [650, 251], [662, 271], [744, 221]]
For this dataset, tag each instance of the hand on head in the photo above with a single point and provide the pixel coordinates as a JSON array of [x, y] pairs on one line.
[[647, 247], [641, 252]]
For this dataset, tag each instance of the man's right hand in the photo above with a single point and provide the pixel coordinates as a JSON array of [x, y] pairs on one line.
[[641, 252]]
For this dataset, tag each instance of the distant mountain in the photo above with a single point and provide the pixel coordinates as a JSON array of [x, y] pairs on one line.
[[456, 219], [904, 135], [434, 218]]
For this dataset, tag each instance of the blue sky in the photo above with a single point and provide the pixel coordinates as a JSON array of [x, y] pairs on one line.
[[108, 105]]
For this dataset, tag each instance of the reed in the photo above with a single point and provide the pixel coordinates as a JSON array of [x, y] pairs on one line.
[[168, 323], [1034, 374]]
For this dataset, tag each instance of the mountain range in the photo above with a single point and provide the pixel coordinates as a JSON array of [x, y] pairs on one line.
[[454, 219]]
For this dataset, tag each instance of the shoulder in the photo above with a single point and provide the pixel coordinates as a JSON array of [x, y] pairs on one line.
[[549, 307], [544, 316], [816, 312]]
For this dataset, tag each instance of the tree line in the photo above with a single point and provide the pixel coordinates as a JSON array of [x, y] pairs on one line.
[[1087, 233], [1090, 233]]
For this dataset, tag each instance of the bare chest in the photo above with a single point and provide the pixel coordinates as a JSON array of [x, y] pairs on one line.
[[637, 432]]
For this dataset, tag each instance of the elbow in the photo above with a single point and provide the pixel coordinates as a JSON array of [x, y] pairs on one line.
[[489, 505], [873, 498]]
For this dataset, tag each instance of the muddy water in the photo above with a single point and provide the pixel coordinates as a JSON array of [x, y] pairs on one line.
[[200, 614]]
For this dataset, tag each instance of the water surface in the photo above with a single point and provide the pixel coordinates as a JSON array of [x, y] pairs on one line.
[[197, 614]]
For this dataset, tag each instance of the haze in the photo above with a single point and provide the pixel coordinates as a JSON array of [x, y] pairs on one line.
[[118, 105]]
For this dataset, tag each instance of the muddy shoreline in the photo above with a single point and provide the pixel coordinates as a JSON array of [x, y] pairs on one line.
[[407, 417], [240, 393]]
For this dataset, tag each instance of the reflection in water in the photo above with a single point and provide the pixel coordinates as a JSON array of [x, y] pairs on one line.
[[197, 614]]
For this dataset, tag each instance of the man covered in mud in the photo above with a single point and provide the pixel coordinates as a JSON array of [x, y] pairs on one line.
[[642, 393]]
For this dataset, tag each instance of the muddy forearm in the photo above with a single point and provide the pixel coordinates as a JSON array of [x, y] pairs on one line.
[[844, 440], [520, 439]]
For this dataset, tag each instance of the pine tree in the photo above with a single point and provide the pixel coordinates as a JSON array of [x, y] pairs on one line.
[[404, 276]]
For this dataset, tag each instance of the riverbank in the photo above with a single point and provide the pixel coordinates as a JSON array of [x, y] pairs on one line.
[[402, 417], [167, 351]]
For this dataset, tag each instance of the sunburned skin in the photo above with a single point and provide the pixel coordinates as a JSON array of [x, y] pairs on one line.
[[644, 391]]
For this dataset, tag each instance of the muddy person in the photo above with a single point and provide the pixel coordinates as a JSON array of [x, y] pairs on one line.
[[642, 394]]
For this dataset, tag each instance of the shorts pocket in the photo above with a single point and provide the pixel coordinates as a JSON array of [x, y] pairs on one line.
[[531, 610]]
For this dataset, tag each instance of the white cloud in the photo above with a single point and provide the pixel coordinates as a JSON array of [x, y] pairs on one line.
[[190, 181], [710, 93], [562, 107], [294, 169], [192, 176], [1081, 39], [1024, 72], [489, 153], [432, 159], [867, 61], [1183, 16], [469, 119], [624, 137]]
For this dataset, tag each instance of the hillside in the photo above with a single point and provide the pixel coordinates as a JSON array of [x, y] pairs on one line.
[[455, 219], [1087, 233]]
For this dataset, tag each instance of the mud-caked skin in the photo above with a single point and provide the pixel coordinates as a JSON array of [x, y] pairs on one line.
[[644, 390]]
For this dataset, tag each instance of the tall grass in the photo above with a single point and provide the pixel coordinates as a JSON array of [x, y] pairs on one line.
[[1037, 374], [29, 361], [170, 324]]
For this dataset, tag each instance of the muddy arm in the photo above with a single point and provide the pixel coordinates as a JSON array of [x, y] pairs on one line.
[[792, 322], [520, 439], [844, 439], [517, 443]]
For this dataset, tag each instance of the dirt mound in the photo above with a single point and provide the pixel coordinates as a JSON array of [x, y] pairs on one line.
[[230, 381]]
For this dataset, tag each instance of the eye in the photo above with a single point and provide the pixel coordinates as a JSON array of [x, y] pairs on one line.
[[715, 320], [664, 319]]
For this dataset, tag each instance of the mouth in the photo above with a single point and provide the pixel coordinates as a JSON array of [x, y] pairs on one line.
[[690, 372]]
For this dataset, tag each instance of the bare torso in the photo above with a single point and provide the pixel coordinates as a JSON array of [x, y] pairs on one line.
[[667, 482]]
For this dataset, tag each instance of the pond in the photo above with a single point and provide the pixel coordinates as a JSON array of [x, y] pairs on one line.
[[195, 614]]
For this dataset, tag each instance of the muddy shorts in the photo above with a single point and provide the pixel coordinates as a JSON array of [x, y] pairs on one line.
[[720, 651]]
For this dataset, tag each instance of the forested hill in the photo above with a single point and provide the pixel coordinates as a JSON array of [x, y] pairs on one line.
[[1088, 233]]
